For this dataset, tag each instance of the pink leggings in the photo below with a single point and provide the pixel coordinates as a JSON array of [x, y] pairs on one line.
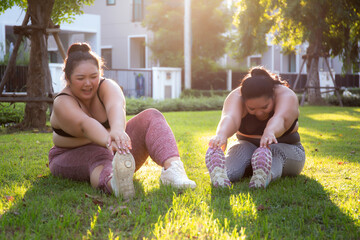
[[150, 135]]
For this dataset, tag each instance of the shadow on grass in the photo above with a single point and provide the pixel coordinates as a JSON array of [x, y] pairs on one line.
[[290, 208], [56, 208]]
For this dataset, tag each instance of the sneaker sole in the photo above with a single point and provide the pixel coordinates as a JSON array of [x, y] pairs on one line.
[[169, 183], [261, 161], [123, 172], [215, 163]]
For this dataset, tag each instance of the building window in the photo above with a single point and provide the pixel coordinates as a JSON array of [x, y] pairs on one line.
[[53, 57], [138, 10], [255, 61], [137, 52], [106, 54], [110, 2], [292, 62], [356, 67]]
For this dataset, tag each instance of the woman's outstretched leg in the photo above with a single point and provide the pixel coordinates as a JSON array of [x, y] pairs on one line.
[[151, 136]]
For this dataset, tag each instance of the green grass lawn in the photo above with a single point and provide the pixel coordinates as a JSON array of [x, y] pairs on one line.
[[322, 203]]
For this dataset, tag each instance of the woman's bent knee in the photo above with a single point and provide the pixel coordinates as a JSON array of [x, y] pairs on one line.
[[151, 113]]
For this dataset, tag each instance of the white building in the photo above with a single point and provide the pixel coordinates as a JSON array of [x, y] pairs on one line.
[[124, 39]]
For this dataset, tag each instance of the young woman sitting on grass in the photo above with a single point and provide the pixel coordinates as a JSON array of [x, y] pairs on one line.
[[263, 112], [89, 123]]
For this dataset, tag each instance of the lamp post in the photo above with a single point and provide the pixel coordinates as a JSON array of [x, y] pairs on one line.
[[187, 44]]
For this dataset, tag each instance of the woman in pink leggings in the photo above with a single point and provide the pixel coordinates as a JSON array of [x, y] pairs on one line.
[[89, 126]]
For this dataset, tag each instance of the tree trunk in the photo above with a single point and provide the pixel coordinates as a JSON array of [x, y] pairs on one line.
[[39, 82], [312, 67]]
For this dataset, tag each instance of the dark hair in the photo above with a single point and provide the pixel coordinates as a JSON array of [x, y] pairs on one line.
[[78, 52], [259, 82]]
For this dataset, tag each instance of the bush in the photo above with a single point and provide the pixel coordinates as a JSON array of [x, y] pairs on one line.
[[11, 113], [352, 90], [134, 106], [347, 101], [203, 93]]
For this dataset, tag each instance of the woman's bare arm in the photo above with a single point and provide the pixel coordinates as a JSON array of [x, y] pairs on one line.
[[230, 120], [286, 112]]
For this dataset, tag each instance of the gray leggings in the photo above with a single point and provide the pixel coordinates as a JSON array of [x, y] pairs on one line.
[[288, 160]]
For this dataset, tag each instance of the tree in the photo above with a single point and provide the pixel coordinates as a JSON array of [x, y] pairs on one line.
[[42, 14], [328, 26], [165, 18]]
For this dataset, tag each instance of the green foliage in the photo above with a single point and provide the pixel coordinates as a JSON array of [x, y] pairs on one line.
[[349, 101], [22, 58], [4, 5], [352, 90], [253, 20], [166, 19], [292, 22], [134, 106], [11, 113], [63, 10], [353, 101], [186, 93]]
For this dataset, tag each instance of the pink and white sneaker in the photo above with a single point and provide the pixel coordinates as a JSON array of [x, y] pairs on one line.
[[215, 162], [261, 161]]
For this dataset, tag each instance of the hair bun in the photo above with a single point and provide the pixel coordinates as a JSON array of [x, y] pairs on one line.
[[258, 71], [79, 47]]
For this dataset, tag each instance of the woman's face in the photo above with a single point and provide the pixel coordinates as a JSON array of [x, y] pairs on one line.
[[260, 106], [84, 80]]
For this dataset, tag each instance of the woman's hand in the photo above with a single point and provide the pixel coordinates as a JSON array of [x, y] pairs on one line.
[[119, 141], [218, 141], [267, 139]]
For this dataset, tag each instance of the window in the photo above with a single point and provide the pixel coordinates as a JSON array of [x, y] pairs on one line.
[[138, 10], [356, 67], [106, 54], [53, 57], [292, 62], [110, 2], [137, 52], [255, 61]]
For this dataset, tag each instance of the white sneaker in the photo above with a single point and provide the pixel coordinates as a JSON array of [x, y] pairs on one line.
[[123, 172], [176, 176]]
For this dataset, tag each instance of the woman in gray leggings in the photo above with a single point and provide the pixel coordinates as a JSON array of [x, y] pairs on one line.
[[263, 112]]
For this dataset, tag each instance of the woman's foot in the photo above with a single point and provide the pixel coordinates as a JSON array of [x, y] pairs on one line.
[[123, 171], [261, 164], [215, 162], [175, 175]]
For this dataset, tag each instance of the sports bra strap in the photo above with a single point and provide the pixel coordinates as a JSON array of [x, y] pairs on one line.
[[98, 90], [66, 94]]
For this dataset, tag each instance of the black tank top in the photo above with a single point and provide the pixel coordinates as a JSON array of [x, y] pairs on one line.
[[251, 125], [61, 132]]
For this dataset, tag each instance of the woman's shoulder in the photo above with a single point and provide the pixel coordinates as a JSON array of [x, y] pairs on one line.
[[234, 102], [236, 93], [234, 97], [107, 84], [65, 98], [65, 92], [281, 90]]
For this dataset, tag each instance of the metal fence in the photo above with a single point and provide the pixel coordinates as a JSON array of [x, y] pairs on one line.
[[135, 83], [138, 82], [17, 82], [217, 81]]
